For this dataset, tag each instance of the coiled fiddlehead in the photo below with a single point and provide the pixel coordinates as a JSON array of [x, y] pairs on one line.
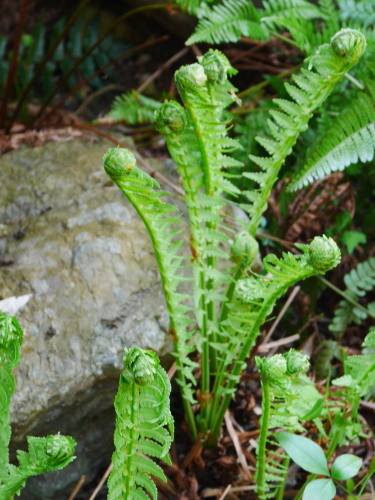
[[276, 373], [44, 453], [144, 426]]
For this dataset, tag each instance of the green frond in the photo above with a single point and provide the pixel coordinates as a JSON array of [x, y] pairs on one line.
[[229, 21], [141, 191], [358, 282], [194, 6], [351, 139], [361, 12], [133, 108], [144, 426], [310, 90], [276, 11]]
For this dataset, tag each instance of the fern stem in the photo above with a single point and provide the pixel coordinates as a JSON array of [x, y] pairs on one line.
[[355, 81], [262, 443], [284, 39], [345, 296], [280, 489]]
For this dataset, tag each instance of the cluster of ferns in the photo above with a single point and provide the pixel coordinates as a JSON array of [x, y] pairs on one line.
[[215, 318]]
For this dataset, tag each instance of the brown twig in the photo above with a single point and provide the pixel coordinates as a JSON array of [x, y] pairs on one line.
[[102, 481], [13, 66], [164, 66], [77, 487]]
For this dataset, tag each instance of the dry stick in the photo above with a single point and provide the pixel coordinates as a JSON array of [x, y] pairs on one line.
[[91, 49], [164, 66], [281, 314], [278, 343], [140, 160], [13, 65], [225, 492], [102, 481], [100, 70], [47, 57], [237, 446], [78, 486]]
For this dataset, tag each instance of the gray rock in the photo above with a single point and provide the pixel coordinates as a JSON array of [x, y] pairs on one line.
[[82, 252]]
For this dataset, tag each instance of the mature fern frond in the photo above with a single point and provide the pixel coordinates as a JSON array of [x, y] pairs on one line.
[[144, 426], [310, 91], [352, 138], [139, 188], [228, 22], [362, 12], [276, 11], [133, 108], [194, 6], [358, 282]]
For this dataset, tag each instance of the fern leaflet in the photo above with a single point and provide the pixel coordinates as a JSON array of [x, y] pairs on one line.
[[351, 139], [133, 108]]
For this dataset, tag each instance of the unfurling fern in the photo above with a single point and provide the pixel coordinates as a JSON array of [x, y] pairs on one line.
[[310, 91], [44, 454], [358, 282], [276, 373], [133, 108], [144, 426]]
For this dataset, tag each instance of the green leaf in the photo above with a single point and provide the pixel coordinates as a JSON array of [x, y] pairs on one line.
[[353, 238], [304, 452], [315, 411], [324, 489], [345, 467]]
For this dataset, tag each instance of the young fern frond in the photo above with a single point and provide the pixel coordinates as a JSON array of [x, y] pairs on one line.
[[44, 454], [352, 138], [228, 22], [141, 191], [144, 426], [133, 108], [358, 282], [255, 299], [331, 62], [276, 373]]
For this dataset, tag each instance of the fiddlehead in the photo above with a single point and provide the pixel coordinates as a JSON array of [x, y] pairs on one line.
[[256, 297], [276, 375], [144, 426], [44, 454]]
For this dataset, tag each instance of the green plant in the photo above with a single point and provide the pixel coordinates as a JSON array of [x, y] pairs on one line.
[[311, 458], [230, 302], [144, 426], [44, 454]]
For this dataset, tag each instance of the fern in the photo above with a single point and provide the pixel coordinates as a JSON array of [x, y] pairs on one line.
[[144, 426], [310, 91], [276, 379], [228, 22], [362, 12], [276, 11], [140, 189], [44, 454], [352, 138], [133, 108], [358, 282], [194, 6]]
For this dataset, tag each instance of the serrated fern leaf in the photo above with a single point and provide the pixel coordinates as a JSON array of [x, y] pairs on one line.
[[133, 108], [358, 282], [362, 12], [228, 22], [309, 92], [194, 6], [140, 189], [276, 11], [144, 426], [351, 139]]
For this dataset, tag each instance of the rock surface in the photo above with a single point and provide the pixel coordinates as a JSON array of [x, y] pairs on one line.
[[71, 239]]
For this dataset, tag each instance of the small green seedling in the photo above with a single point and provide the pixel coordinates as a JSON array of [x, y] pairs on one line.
[[310, 457]]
